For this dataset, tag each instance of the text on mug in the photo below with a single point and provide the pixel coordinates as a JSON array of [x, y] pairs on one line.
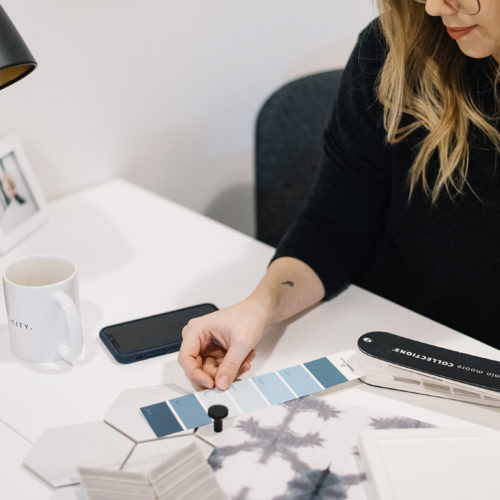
[[20, 324]]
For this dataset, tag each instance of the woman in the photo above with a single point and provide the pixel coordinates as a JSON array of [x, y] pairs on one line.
[[407, 199]]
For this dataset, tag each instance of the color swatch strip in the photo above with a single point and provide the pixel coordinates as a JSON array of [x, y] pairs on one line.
[[246, 396]]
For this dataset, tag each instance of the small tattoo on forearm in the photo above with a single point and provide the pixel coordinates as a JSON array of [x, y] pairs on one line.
[[288, 282]]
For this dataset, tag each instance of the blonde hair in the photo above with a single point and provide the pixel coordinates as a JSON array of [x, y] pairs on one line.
[[425, 76]]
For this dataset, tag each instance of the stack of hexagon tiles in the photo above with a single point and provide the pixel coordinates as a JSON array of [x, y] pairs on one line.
[[183, 475]]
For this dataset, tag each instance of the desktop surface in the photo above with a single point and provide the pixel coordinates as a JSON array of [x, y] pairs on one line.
[[139, 254]]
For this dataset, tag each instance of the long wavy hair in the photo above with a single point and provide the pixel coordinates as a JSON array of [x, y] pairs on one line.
[[426, 83]]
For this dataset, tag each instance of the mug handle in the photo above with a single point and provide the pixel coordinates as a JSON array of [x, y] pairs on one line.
[[73, 348]]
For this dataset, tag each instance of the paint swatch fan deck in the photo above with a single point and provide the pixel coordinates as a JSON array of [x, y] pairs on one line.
[[396, 362]]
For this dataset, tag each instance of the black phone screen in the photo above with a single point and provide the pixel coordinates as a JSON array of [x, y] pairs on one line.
[[152, 332]]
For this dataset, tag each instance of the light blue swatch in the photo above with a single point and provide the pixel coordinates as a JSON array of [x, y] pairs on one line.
[[247, 396], [273, 388], [325, 372], [300, 380], [190, 411], [215, 397]]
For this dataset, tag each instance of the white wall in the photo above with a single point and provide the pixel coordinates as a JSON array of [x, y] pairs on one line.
[[163, 92]]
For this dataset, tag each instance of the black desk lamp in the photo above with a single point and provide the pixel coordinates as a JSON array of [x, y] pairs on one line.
[[16, 60]]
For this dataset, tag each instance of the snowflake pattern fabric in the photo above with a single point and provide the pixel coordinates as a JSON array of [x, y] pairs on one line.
[[302, 449]]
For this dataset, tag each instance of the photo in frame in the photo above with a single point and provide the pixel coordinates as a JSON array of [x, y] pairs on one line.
[[22, 205]]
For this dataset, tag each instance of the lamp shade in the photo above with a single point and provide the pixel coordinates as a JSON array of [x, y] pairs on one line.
[[16, 60]]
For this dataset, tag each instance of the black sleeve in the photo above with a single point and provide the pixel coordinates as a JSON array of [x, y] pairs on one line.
[[336, 233]]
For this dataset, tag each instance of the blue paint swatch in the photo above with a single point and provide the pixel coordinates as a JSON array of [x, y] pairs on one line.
[[215, 397], [247, 396], [273, 388], [300, 380], [161, 419], [190, 411], [325, 372]]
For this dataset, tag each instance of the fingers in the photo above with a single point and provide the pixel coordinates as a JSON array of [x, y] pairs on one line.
[[192, 362], [237, 355], [247, 364], [211, 363], [218, 347]]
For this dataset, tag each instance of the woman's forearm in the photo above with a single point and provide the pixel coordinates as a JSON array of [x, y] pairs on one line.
[[288, 287]]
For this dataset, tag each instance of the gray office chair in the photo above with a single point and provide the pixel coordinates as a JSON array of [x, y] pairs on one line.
[[288, 147]]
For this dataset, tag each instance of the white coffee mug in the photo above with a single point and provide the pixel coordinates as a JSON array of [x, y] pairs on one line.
[[41, 296]]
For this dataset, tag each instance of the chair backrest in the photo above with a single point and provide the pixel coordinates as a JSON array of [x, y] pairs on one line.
[[288, 147]]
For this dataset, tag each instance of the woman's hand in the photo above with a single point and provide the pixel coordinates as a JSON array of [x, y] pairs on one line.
[[219, 347]]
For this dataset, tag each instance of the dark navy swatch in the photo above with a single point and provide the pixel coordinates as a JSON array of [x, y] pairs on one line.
[[161, 419]]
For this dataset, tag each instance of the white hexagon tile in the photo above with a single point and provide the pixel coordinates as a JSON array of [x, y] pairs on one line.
[[125, 415], [60, 450], [67, 493]]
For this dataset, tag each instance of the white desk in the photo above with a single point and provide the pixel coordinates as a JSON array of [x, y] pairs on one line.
[[139, 254]]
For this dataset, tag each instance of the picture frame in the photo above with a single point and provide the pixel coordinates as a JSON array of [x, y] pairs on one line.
[[22, 205]]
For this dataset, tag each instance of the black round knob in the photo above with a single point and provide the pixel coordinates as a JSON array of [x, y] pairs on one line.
[[218, 413]]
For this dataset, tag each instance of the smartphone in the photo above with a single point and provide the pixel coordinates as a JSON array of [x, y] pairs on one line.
[[152, 336]]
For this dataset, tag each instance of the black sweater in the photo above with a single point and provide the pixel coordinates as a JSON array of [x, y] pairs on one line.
[[358, 225]]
